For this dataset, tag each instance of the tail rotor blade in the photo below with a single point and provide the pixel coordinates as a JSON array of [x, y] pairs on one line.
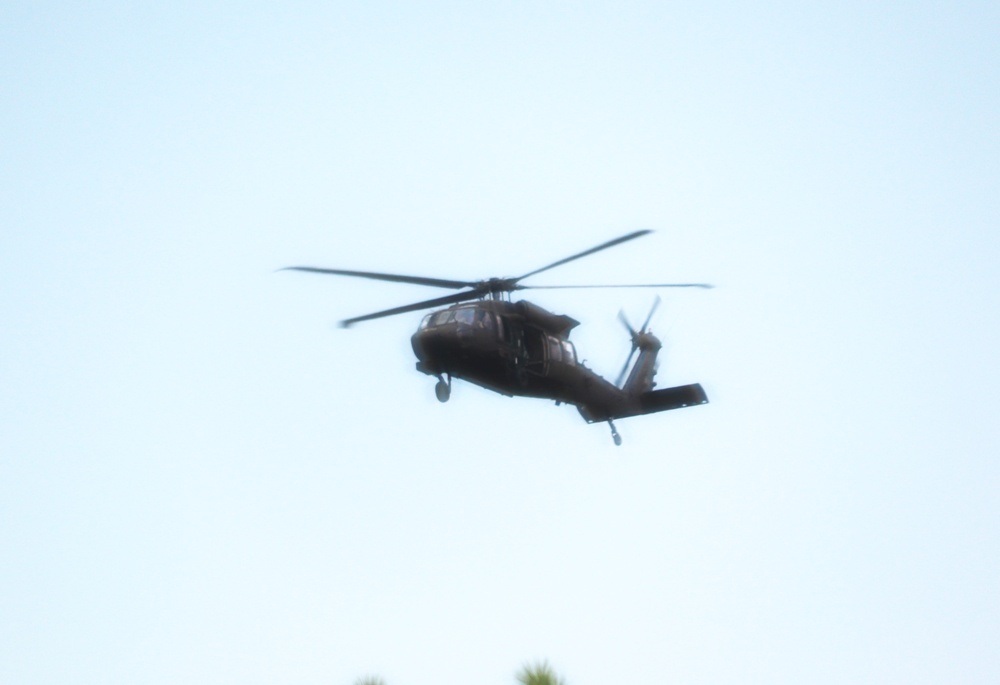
[[621, 376], [628, 326], [656, 303], [631, 353]]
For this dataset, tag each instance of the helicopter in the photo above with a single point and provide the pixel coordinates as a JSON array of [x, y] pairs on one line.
[[519, 349]]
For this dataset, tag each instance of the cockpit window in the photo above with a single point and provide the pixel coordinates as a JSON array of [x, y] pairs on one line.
[[439, 318], [470, 316], [466, 316]]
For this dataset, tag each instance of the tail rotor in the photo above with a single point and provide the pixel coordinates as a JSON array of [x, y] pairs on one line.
[[635, 337]]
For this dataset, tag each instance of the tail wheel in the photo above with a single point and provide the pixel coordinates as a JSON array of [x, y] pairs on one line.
[[614, 433]]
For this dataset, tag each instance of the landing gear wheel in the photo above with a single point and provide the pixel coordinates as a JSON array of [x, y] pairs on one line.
[[614, 434], [442, 390]]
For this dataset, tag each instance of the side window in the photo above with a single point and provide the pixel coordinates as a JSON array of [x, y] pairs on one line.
[[569, 354], [555, 350], [484, 319]]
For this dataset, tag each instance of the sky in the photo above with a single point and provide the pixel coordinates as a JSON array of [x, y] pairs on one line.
[[204, 480]]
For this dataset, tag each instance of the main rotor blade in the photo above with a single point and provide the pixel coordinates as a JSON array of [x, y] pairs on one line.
[[426, 304], [395, 278], [602, 246], [642, 285]]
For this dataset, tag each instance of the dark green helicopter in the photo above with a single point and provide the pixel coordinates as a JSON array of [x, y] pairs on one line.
[[520, 349]]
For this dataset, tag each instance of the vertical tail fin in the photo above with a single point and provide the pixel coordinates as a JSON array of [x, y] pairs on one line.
[[641, 378]]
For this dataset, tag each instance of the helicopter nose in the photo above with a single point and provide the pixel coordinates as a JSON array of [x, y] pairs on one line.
[[432, 344]]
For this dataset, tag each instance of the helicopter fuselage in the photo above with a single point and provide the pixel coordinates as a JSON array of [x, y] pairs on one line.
[[520, 349]]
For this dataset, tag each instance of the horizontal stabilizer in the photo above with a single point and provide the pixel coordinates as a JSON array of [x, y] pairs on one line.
[[672, 398]]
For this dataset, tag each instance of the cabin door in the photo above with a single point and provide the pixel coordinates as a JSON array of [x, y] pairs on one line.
[[534, 348]]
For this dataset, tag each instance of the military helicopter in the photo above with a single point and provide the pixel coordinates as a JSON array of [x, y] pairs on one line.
[[520, 349]]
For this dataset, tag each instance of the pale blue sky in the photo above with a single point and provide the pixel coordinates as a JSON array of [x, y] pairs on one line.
[[203, 480]]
